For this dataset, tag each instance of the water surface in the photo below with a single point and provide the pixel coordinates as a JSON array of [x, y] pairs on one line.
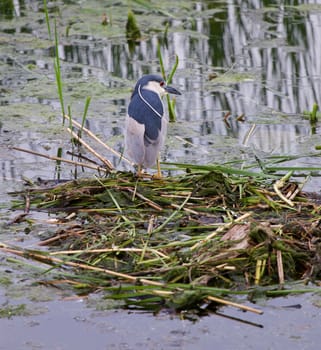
[[253, 58]]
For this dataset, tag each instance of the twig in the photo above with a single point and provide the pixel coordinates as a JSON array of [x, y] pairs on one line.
[[85, 165], [27, 203], [50, 260], [98, 140], [53, 239], [109, 250], [91, 150], [191, 211], [260, 267], [237, 305], [279, 262], [248, 135], [166, 293], [280, 184], [148, 201]]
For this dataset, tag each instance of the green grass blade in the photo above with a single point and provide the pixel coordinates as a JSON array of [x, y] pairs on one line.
[[171, 74], [161, 62], [170, 102], [58, 73], [84, 116], [58, 163], [47, 17]]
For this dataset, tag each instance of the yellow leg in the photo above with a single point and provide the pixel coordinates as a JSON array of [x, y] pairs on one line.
[[159, 172], [139, 170]]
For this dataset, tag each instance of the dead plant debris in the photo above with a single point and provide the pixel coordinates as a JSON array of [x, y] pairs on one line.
[[181, 241]]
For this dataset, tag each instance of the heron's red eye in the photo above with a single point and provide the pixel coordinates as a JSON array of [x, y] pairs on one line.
[[162, 83]]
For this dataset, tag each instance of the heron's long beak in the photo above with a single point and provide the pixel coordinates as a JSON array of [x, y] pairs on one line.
[[171, 90]]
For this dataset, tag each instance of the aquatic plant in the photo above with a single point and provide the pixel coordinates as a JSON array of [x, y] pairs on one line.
[[132, 29], [193, 241], [187, 242], [170, 101]]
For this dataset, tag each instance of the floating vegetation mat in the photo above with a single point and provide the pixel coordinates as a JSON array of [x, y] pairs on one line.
[[186, 242]]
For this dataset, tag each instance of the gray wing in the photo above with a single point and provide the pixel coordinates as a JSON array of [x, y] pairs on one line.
[[153, 147], [134, 140]]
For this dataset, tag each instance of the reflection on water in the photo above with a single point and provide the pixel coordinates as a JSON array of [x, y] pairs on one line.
[[267, 58], [284, 69], [265, 55]]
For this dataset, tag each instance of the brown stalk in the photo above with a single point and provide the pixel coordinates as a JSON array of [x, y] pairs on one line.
[[239, 306], [148, 201], [109, 250], [85, 165], [91, 150], [51, 261], [279, 262], [94, 137]]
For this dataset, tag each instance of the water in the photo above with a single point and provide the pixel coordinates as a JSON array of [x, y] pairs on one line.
[[71, 325], [265, 73], [266, 59]]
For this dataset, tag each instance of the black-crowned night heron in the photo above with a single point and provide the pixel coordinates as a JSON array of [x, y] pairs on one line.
[[146, 125]]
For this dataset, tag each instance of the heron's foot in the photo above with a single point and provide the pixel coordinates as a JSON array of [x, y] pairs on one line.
[[158, 176], [159, 172], [141, 173]]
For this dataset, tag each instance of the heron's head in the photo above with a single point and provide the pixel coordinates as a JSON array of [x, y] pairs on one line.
[[156, 84]]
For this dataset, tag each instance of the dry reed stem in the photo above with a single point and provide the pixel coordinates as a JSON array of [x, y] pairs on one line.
[[237, 305], [259, 269], [150, 224], [276, 186], [91, 150], [148, 201], [279, 262], [166, 293], [109, 250], [248, 135], [50, 260], [53, 239], [191, 211], [98, 140], [85, 165]]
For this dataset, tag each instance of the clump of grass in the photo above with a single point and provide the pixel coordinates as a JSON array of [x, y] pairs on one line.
[[181, 242], [11, 311], [313, 114], [132, 29], [313, 117], [186, 242]]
